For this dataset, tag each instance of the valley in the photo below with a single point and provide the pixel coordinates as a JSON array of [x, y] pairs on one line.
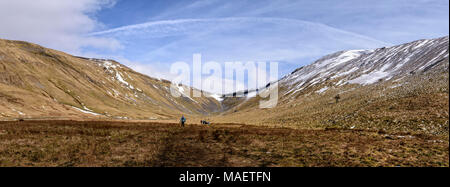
[[380, 107]]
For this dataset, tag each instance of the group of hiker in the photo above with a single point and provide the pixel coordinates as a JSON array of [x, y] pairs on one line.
[[183, 121]]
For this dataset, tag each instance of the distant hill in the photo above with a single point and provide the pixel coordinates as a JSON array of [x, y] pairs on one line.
[[36, 82]]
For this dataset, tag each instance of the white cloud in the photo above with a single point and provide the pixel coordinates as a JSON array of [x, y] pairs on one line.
[[61, 24]]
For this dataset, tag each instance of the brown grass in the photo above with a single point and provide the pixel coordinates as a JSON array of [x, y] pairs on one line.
[[109, 143], [419, 105]]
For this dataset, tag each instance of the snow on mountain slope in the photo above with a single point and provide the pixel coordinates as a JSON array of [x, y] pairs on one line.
[[320, 70], [401, 88], [350, 71], [367, 67]]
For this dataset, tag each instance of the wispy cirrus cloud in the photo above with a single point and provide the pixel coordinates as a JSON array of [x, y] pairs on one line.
[[261, 39], [181, 25]]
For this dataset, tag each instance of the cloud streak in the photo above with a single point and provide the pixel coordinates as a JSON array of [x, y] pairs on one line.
[[178, 22], [235, 38]]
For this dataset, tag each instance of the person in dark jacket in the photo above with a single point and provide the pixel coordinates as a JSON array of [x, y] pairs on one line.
[[182, 120]]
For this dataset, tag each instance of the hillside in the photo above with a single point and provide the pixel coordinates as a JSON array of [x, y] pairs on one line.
[[36, 82], [401, 88]]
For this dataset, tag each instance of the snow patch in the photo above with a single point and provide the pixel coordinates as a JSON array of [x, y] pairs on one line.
[[88, 111], [217, 97], [181, 90], [251, 94], [341, 82], [421, 44], [395, 86], [120, 79], [435, 59], [19, 112], [345, 72], [370, 78], [322, 90], [342, 58]]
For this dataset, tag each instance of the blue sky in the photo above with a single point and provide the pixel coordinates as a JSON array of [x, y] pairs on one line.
[[150, 35]]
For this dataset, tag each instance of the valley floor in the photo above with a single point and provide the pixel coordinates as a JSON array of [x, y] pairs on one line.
[[114, 143]]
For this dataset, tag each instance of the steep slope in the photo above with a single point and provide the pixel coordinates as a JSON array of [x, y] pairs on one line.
[[368, 67], [401, 87], [37, 82]]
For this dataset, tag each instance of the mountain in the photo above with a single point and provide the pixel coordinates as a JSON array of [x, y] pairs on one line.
[[401, 87], [36, 82], [366, 67]]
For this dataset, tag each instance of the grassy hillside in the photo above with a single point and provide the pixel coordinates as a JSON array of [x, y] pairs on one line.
[[37, 82]]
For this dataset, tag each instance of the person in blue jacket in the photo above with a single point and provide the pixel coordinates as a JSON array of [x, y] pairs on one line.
[[182, 120]]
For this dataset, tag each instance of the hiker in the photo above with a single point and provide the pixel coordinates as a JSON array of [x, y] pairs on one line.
[[337, 97], [203, 122], [182, 120]]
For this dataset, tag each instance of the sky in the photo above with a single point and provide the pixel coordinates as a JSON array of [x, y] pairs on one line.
[[149, 36]]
